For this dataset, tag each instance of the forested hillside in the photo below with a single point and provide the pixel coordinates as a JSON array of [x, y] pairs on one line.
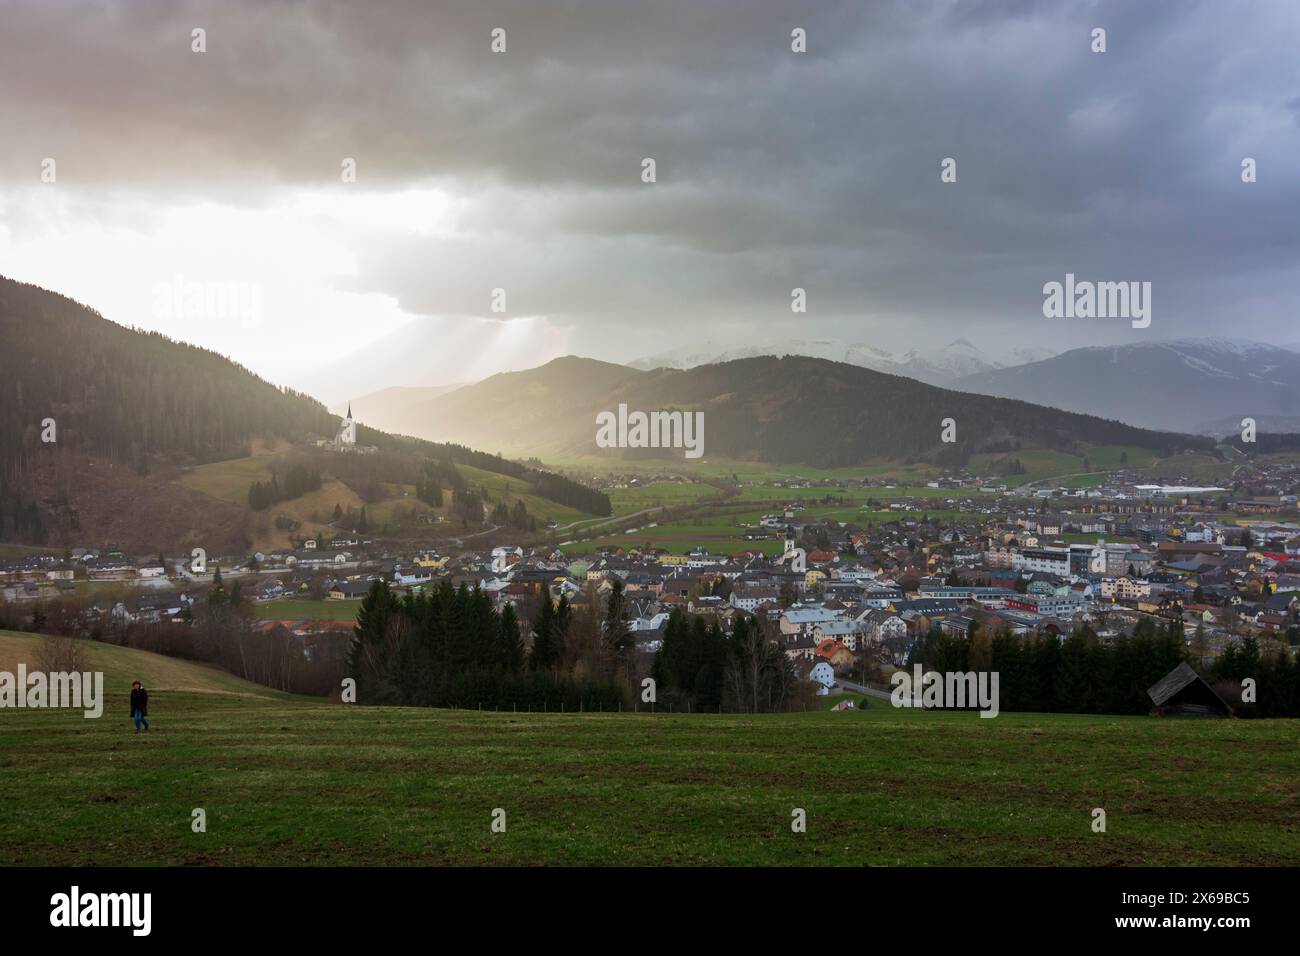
[[86, 403], [127, 395], [777, 410]]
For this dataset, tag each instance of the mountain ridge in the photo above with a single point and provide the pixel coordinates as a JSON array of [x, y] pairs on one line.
[[934, 367], [780, 410], [1189, 385], [100, 423]]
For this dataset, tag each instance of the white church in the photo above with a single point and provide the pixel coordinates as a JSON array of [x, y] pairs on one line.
[[345, 439]]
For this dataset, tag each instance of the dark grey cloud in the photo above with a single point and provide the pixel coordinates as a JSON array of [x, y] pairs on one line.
[[775, 169]]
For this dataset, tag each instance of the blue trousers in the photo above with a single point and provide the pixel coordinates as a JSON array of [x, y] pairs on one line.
[[140, 719]]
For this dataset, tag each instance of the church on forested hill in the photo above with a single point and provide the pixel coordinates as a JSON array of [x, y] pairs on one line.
[[347, 434], [345, 439]]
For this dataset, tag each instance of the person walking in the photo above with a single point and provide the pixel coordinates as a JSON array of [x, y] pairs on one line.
[[139, 706]]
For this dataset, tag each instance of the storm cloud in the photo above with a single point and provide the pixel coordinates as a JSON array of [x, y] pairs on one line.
[[775, 169]]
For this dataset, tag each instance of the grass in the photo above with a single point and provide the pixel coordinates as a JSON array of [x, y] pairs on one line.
[[229, 480], [122, 665], [746, 471], [724, 530], [507, 489], [670, 494], [289, 781]]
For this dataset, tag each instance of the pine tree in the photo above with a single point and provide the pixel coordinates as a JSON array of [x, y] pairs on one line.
[[545, 652], [618, 636], [510, 650]]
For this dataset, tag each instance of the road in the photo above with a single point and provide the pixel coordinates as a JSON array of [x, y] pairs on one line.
[[848, 685], [604, 521], [477, 534]]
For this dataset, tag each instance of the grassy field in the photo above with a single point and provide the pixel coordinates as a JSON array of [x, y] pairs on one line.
[[1040, 464], [288, 781], [510, 490], [724, 531], [121, 665], [229, 480], [746, 471], [654, 494]]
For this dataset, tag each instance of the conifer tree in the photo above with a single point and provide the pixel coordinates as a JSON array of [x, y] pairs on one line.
[[545, 650]]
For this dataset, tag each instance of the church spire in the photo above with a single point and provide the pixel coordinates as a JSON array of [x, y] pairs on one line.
[[349, 411]]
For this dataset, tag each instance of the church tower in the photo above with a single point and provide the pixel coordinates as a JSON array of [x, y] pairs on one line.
[[348, 430]]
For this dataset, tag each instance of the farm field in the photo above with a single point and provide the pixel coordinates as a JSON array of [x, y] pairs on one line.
[[290, 781], [654, 494], [745, 471], [724, 532], [1041, 463], [503, 487]]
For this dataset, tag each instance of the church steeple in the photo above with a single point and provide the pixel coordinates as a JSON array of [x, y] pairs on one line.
[[349, 411]]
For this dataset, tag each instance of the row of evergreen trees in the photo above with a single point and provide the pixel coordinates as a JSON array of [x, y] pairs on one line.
[[517, 517], [20, 520], [298, 481], [449, 647], [701, 667], [434, 477], [1276, 677], [1085, 675], [564, 491]]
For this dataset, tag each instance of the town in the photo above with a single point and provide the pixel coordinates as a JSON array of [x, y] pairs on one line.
[[849, 599]]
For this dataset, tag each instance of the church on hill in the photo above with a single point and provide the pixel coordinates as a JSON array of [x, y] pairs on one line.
[[345, 439]]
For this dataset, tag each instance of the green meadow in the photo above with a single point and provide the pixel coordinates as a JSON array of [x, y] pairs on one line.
[[295, 781]]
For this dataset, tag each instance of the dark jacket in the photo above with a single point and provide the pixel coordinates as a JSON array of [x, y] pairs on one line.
[[139, 701]]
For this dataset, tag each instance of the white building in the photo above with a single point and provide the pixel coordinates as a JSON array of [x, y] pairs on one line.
[[823, 675], [1044, 560]]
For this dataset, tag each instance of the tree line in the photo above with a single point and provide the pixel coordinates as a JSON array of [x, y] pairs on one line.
[[1083, 674], [20, 518], [701, 667], [544, 484], [298, 481], [516, 518], [219, 630], [451, 647], [433, 478]]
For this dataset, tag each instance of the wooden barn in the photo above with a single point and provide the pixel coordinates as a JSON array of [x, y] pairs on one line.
[[1182, 691]]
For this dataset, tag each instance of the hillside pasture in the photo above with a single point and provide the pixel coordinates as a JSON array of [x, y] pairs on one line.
[[293, 781]]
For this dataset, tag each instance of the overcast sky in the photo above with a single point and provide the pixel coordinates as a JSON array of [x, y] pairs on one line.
[[522, 170]]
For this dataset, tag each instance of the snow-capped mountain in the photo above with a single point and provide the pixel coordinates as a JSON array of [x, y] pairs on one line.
[[1191, 385], [939, 367], [948, 364]]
